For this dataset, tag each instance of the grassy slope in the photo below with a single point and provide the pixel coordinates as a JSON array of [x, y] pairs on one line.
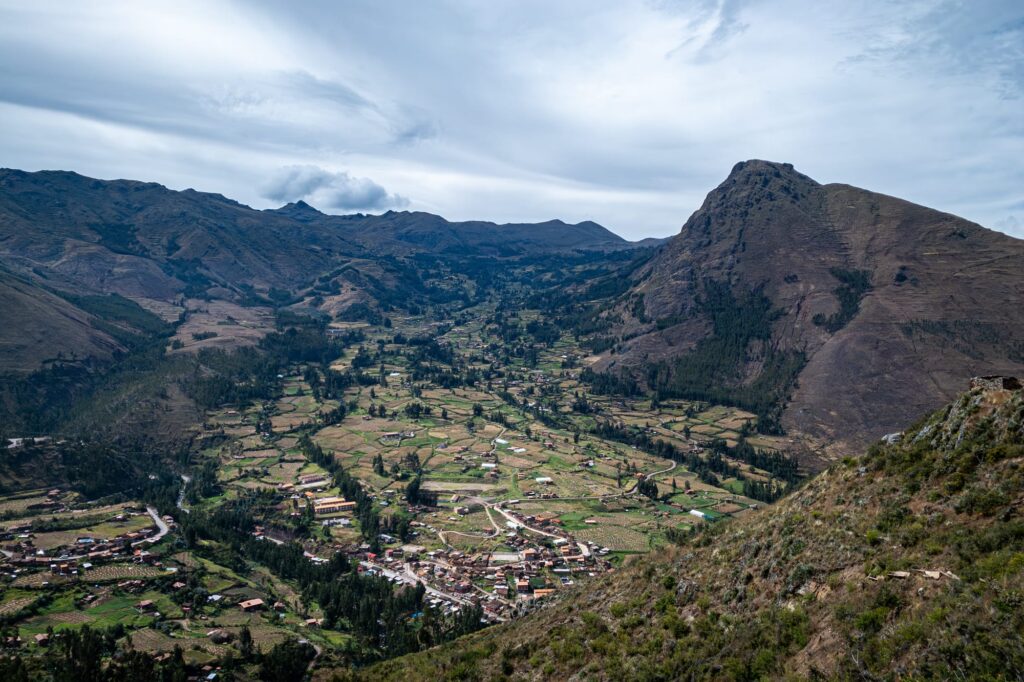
[[805, 588]]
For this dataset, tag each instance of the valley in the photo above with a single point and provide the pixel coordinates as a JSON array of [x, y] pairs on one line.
[[481, 342], [480, 474]]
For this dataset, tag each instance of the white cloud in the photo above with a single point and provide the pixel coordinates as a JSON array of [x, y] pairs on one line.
[[329, 189]]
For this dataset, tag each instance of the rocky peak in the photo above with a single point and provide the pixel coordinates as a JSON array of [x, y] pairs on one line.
[[991, 411], [299, 210]]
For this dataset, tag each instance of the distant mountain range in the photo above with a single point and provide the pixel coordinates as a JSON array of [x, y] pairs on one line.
[[64, 236], [854, 310]]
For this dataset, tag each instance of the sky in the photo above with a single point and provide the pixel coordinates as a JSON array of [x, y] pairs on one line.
[[624, 112]]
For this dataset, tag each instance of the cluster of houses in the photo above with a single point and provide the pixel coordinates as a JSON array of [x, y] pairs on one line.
[[498, 581], [67, 560]]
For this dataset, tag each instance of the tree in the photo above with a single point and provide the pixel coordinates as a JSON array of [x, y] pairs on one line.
[[412, 491], [245, 644], [648, 487], [286, 662]]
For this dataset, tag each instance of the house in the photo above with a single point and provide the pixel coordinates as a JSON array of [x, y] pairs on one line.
[[698, 513], [543, 592], [252, 605], [309, 479], [331, 505], [144, 606], [43, 639], [544, 480]]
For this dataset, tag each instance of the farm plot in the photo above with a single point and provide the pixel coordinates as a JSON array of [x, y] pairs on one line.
[[18, 505], [37, 580], [111, 572], [616, 538], [12, 606]]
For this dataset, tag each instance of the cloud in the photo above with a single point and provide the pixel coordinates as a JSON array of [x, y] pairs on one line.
[[629, 123], [328, 189]]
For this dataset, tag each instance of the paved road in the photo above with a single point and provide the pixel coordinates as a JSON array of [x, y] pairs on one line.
[[164, 529], [408, 575]]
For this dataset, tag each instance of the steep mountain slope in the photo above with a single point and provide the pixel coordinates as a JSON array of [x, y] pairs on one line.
[[906, 563], [875, 306], [141, 239], [40, 326]]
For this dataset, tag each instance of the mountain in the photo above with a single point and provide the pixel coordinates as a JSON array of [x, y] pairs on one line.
[[907, 563], [64, 236], [852, 310]]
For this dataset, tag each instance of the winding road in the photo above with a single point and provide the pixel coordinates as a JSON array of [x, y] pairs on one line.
[[160, 524]]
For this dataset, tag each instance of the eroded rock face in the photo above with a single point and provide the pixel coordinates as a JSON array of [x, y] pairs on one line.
[[994, 403]]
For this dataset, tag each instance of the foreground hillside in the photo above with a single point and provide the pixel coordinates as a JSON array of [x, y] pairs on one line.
[[906, 562], [860, 309]]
